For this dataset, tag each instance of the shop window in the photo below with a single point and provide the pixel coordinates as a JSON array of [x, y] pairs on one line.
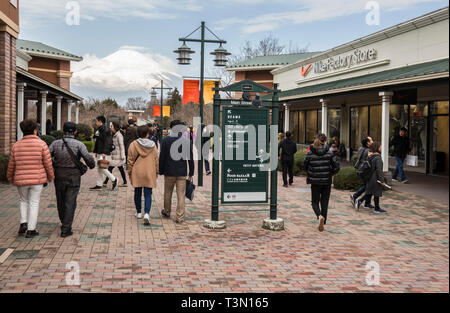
[[375, 122], [311, 126], [439, 107], [359, 125], [334, 123], [301, 127], [293, 125]]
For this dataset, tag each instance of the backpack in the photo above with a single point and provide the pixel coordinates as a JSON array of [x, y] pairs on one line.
[[364, 170]]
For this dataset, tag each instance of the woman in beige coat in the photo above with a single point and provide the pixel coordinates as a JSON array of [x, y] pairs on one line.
[[117, 155], [143, 164]]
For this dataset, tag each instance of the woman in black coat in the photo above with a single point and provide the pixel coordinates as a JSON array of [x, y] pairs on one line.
[[376, 181], [320, 166]]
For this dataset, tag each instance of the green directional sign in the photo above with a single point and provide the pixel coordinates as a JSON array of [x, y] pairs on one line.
[[245, 145]]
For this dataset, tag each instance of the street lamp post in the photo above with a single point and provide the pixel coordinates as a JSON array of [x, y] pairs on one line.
[[184, 59], [153, 96]]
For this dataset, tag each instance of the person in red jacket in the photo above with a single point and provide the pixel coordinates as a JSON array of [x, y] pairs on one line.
[[30, 167]]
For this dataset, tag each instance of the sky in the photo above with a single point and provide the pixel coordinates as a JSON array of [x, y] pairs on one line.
[[127, 45]]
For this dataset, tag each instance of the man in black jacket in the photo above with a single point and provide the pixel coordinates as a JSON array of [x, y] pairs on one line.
[[130, 136], [286, 151], [174, 159], [102, 149], [67, 175], [401, 149]]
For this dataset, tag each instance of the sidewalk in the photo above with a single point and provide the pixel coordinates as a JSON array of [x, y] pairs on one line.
[[117, 253]]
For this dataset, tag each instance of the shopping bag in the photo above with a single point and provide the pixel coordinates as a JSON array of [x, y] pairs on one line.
[[412, 160], [190, 189]]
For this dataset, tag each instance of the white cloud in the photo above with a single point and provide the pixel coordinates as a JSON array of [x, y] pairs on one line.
[[45, 10], [127, 69], [311, 11]]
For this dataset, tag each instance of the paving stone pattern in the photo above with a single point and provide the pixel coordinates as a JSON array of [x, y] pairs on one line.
[[117, 253]]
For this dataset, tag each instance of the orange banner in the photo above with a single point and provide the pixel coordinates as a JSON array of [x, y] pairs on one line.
[[191, 92], [157, 110], [208, 93]]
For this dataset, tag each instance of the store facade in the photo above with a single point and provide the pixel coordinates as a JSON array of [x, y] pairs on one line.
[[375, 85]]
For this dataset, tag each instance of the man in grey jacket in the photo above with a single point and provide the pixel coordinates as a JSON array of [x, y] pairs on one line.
[[67, 175]]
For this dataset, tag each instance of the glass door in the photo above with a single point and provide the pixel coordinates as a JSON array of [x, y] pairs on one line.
[[439, 139], [418, 134]]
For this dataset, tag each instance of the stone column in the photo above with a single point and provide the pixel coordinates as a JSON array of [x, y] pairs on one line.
[[58, 112], [43, 112], [324, 116], [77, 112], [386, 99], [286, 117], [69, 110], [20, 108]]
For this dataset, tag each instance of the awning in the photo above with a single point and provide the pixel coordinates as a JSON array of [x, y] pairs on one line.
[[42, 84], [413, 73]]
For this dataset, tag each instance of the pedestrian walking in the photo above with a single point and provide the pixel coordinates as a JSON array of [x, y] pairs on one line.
[[29, 169], [206, 139], [118, 158], [174, 167], [67, 154], [152, 135], [286, 151], [102, 149], [376, 181], [363, 156], [143, 169], [320, 166], [402, 147], [130, 135]]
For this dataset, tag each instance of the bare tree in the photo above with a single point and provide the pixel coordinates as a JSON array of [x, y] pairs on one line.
[[136, 103]]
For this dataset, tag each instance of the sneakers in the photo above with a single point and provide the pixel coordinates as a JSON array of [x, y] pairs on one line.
[[379, 211], [164, 214], [358, 205], [96, 188], [321, 223], [114, 184], [138, 216], [290, 183], [368, 206], [285, 186], [123, 185], [146, 219], [394, 180], [404, 181], [208, 173], [31, 233], [66, 234], [352, 199], [23, 228]]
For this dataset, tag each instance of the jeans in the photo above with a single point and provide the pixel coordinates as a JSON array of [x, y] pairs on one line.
[[29, 204], [320, 195], [288, 168], [399, 169], [360, 191], [207, 168], [66, 200], [376, 200], [147, 198], [122, 172]]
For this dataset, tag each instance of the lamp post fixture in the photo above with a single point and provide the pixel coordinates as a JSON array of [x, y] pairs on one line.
[[153, 96], [220, 54]]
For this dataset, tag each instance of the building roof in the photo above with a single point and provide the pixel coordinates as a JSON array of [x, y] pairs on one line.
[[416, 23], [416, 72], [42, 84], [270, 61], [35, 48]]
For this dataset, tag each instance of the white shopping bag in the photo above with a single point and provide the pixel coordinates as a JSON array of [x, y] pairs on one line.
[[412, 160]]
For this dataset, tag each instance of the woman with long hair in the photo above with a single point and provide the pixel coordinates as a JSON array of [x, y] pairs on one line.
[[118, 158], [320, 166]]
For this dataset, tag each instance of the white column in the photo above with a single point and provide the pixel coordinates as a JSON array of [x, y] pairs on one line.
[[69, 110], [386, 98], [324, 116], [77, 112], [44, 112], [286, 117], [20, 108], [58, 112]]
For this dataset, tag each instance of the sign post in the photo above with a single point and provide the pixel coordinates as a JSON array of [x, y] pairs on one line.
[[245, 153]]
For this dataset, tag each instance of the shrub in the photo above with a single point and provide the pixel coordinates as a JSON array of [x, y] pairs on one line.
[[4, 160], [48, 139], [84, 132], [347, 179], [299, 160], [354, 159], [89, 145], [58, 134]]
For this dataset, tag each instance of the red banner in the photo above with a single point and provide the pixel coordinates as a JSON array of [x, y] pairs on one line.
[[157, 110], [191, 91]]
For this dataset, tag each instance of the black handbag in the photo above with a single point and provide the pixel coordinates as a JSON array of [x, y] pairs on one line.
[[190, 189], [81, 167]]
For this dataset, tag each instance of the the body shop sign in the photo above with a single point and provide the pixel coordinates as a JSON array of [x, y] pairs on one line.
[[344, 62]]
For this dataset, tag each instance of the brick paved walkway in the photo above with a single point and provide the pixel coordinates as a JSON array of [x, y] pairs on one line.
[[116, 252]]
